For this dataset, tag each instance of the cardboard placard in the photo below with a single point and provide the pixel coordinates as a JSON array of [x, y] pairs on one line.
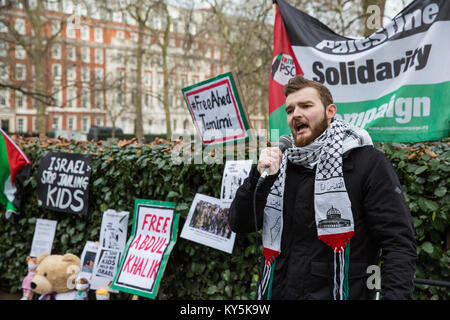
[[145, 257], [234, 174], [113, 237], [216, 110], [63, 182]]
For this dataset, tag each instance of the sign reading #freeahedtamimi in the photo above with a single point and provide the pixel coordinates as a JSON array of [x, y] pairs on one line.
[[216, 110], [63, 182]]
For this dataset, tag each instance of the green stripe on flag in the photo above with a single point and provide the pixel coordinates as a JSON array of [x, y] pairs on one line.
[[4, 169], [278, 120]]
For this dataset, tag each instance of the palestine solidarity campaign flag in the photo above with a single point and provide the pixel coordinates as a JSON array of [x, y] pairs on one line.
[[394, 83], [14, 169]]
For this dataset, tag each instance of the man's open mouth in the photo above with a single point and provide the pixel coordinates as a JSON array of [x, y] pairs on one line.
[[301, 127]]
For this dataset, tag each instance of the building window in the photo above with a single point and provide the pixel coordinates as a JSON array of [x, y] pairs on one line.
[[98, 35], [20, 52], [21, 72], [56, 123], [72, 97], [4, 97], [57, 96], [56, 27], [186, 124], [120, 35], [85, 124], [99, 56], [53, 5], [4, 71], [71, 53], [85, 33], [56, 51], [85, 53], [85, 75], [71, 121], [147, 79], [20, 100], [98, 99], [3, 49], [71, 73], [70, 31], [98, 74], [56, 71], [160, 80], [99, 121], [21, 125], [85, 98], [19, 25], [3, 27]]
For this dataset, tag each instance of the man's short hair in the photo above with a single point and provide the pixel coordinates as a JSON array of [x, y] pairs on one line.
[[299, 82]]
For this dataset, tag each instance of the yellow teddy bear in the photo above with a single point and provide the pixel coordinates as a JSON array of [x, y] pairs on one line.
[[55, 276]]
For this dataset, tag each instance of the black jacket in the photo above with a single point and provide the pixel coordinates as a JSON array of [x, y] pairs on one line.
[[305, 266]]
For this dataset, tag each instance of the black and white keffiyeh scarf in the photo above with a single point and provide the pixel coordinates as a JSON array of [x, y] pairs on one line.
[[333, 214]]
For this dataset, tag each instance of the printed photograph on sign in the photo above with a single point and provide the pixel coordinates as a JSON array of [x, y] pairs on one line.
[[88, 259], [148, 249], [216, 110], [234, 175], [63, 182], [207, 224]]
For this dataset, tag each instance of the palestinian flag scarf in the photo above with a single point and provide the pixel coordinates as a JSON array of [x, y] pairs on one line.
[[14, 170], [333, 214]]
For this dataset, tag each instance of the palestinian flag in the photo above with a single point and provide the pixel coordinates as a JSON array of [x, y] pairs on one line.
[[395, 83], [14, 170]]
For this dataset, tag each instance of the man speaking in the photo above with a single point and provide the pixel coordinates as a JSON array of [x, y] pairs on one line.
[[330, 207]]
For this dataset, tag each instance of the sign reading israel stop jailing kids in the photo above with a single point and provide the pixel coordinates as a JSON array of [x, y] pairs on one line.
[[63, 182], [216, 110], [146, 254]]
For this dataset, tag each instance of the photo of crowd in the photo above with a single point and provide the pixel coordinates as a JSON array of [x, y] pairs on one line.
[[211, 218]]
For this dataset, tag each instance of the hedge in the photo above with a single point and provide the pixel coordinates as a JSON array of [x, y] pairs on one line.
[[126, 170]]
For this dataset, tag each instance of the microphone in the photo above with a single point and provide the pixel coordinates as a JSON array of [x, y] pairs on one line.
[[284, 143]]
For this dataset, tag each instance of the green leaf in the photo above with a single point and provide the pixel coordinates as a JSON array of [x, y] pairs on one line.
[[440, 192], [420, 170], [427, 247], [211, 290]]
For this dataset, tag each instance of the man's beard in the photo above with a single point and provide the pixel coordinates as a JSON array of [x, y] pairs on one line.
[[316, 131]]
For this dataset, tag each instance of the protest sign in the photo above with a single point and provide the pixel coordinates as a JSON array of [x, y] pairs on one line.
[[63, 182], [88, 259], [395, 83], [207, 224], [216, 110], [147, 252], [113, 236], [44, 233], [234, 175]]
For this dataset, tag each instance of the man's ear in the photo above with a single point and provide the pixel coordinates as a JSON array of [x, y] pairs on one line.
[[330, 111]]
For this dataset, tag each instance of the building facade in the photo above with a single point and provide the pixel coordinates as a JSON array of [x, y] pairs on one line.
[[90, 68]]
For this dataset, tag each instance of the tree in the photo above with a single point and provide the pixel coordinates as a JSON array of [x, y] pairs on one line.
[[246, 28], [37, 46]]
